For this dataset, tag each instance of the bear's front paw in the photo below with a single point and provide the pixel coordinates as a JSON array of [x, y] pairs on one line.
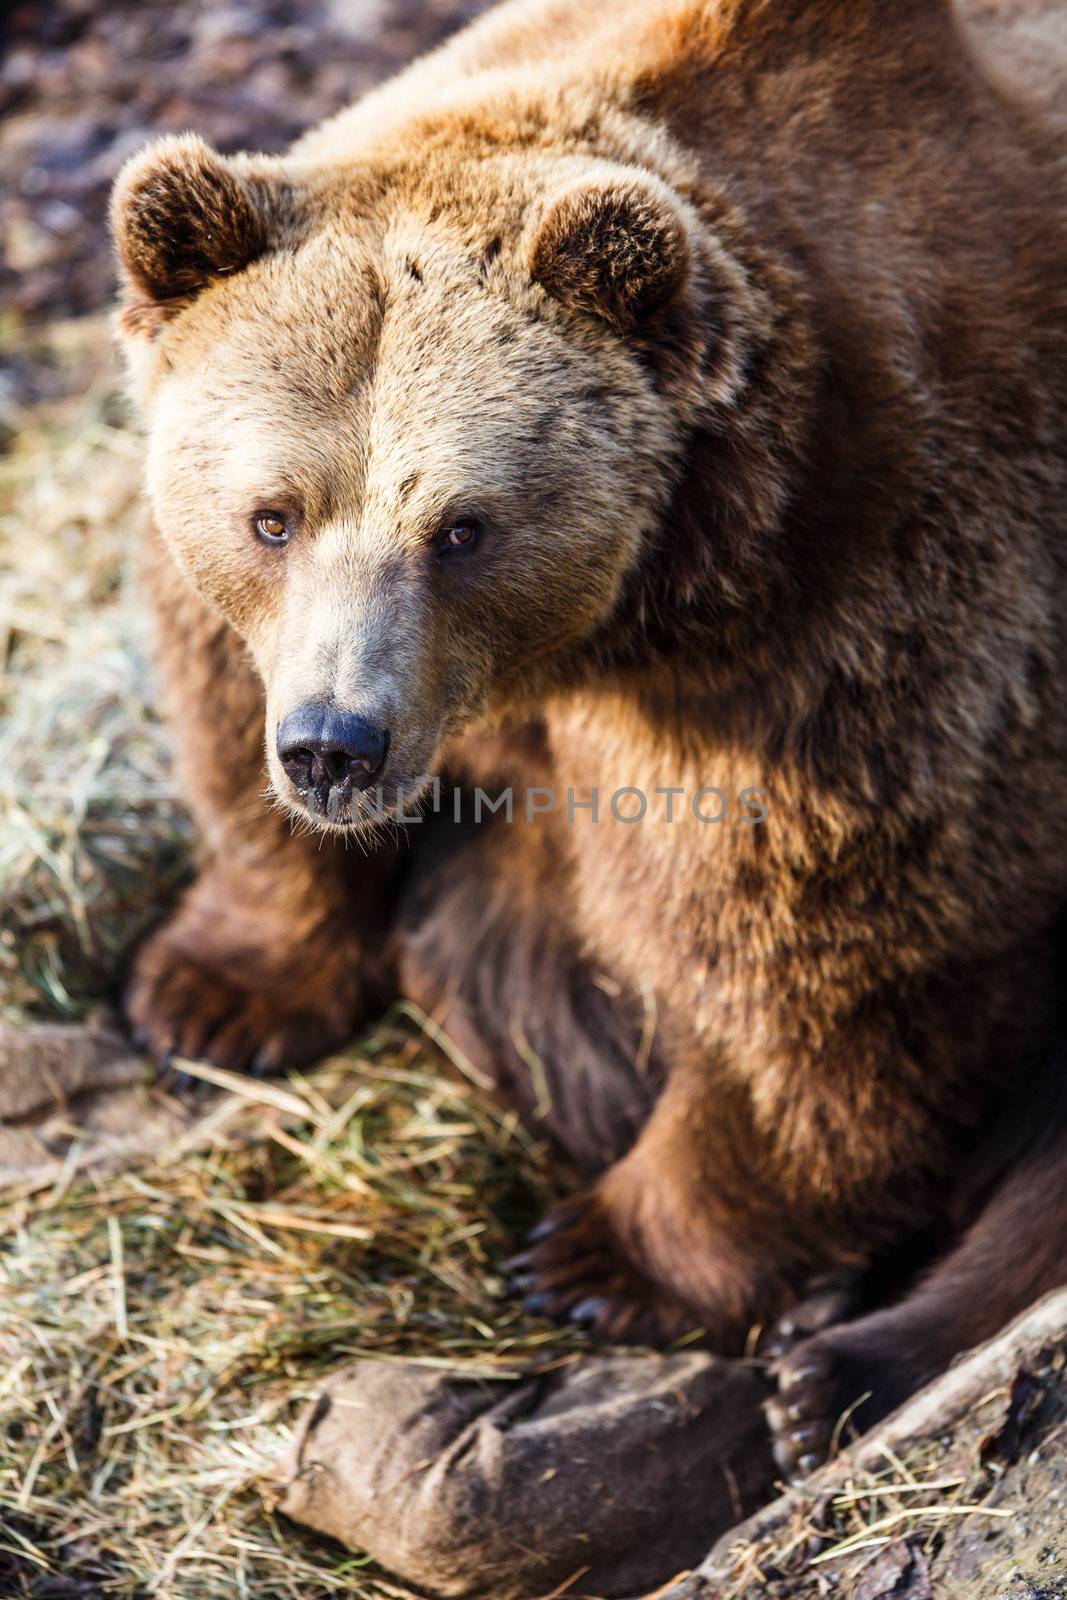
[[178, 1004], [576, 1269]]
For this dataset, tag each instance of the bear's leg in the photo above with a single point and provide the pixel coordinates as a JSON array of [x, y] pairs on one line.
[[754, 1174], [679, 1228], [485, 944], [680, 1234], [846, 1379], [275, 949]]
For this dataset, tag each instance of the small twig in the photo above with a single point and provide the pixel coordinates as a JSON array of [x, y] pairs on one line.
[[118, 1278]]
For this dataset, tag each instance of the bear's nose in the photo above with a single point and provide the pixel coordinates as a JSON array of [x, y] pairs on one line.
[[320, 747]]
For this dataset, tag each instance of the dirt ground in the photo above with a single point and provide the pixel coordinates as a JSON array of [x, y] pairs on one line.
[[84, 83]]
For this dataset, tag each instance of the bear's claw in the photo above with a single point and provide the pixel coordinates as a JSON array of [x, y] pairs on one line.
[[831, 1388], [574, 1269], [804, 1414], [179, 1006], [827, 1301]]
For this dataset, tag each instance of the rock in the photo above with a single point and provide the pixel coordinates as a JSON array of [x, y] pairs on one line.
[[606, 1475]]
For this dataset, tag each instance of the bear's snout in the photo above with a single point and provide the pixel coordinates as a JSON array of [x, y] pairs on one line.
[[327, 754]]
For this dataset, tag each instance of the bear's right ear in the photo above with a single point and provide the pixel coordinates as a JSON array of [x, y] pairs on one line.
[[181, 216]]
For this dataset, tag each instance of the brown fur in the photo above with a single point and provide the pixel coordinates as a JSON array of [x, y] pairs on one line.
[[741, 330]]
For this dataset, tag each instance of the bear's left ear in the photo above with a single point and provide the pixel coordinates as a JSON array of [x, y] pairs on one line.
[[617, 247], [182, 215]]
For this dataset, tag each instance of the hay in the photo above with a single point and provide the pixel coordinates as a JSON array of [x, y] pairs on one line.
[[92, 838], [160, 1329]]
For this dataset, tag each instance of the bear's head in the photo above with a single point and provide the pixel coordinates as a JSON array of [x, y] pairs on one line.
[[411, 431]]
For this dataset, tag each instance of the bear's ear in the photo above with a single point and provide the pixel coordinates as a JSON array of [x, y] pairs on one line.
[[181, 216], [617, 247]]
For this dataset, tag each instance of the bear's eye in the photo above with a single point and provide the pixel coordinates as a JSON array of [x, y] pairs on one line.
[[272, 527], [461, 534]]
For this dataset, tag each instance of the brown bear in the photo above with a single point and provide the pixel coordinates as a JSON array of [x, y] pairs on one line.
[[633, 400]]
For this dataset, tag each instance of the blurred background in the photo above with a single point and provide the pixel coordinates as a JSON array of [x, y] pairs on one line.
[[84, 85]]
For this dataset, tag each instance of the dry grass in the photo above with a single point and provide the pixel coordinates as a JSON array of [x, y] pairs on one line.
[[91, 836], [160, 1329]]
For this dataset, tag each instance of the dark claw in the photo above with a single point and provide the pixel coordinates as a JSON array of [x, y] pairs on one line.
[[808, 1464], [776, 1414], [780, 1414], [519, 1262], [783, 1339], [260, 1065], [540, 1304], [542, 1231], [521, 1284], [587, 1311], [804, 1435], [795, 1375], [178, 1081], [139, 1040]]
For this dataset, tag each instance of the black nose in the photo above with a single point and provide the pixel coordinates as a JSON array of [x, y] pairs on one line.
[[323, 749]]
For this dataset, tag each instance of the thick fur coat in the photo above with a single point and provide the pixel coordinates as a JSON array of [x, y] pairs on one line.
[[647, 396]]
